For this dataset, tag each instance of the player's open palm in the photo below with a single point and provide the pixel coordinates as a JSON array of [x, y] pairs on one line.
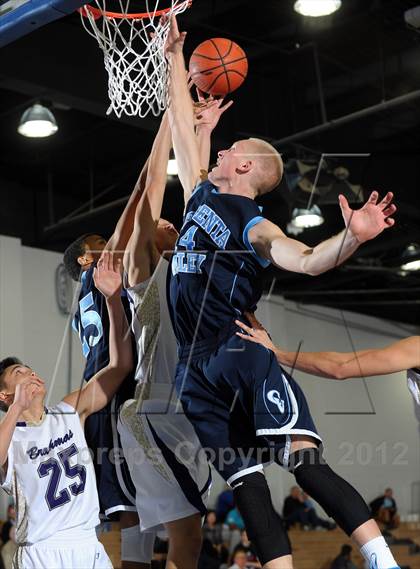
[[369, 221], [107, 275], [208, 111]]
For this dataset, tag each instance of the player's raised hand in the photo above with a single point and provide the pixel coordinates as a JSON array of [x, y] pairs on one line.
[[175, 39], [209, 110], [369, 221], [107, 275], [255, 333], [25, 392]]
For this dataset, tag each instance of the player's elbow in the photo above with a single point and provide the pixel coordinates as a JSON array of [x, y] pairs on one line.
[[338, 371], [121, 367]]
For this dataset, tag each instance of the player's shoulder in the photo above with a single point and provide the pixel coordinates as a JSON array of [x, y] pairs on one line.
[[61, 408], [86, 279], [204, 186]]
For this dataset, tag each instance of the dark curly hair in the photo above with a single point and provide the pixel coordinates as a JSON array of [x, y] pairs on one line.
[[72, 253], [4, 364]]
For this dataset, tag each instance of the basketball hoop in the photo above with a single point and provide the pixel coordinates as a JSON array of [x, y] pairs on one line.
[[133, 47]]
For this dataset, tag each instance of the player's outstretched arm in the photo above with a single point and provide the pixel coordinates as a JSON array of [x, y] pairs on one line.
[[103, 386], [292, 255], [142, 252], [181, 113], [119, 239], [22, 400], [399, 356]]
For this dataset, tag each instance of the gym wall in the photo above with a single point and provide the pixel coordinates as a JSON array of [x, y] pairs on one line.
[[370, 428]]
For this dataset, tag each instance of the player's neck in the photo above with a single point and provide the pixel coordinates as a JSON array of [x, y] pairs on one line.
[[35, 413], [236, 187]]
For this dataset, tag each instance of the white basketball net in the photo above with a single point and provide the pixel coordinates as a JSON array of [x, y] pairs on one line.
[[134, 56]]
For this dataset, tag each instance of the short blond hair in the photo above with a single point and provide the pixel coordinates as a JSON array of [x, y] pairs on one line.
[[269, 166]]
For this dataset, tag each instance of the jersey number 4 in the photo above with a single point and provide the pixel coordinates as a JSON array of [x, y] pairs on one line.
[[55, 469]]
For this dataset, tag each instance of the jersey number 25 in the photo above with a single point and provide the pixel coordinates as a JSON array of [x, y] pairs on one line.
[[51, 466]]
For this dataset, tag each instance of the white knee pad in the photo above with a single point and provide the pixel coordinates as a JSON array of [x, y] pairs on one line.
[[137, 546]]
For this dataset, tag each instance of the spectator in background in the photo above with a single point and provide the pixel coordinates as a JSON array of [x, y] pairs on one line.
[[209, 556], [234, 520], [7, 526], [236, 524], [313, 518], [8, 538], [217, 534], [224, 504], [239, 560], [384, 509], [343, 561], [296, 511], [245, 545]]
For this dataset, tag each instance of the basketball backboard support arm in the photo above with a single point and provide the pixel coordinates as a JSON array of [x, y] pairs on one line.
[[21, 17]]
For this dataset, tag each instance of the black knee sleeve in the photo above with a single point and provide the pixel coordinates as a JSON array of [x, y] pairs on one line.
[[338, 498], [263, 525]]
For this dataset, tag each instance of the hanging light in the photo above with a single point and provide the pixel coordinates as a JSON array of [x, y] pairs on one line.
[[37, 122], [411, 258], [317, 8], [305, 218], [172, 169]]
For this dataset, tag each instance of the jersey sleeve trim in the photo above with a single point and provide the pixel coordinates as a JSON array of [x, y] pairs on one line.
[[263, 262], [7, 476], [64, 407]]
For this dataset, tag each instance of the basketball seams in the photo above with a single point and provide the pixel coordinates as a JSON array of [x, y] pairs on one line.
[[219, 65], [229, 50], [224, 73], [222, 62]]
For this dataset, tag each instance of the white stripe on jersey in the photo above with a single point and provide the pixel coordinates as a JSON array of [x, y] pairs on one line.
[[51, 476]]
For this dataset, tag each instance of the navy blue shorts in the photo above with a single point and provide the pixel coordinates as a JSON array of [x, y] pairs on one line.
[[115, 488], [243, 405]]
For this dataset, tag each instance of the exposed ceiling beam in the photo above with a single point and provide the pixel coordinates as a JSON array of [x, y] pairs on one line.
[[363, 113]]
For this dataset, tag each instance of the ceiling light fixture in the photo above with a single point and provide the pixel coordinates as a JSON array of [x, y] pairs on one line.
[[317, 8], [37, 122], [411, 258], [306, 218], [172, 169]]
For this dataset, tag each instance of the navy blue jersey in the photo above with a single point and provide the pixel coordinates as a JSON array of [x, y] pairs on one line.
[[214, 270], [91, 322]]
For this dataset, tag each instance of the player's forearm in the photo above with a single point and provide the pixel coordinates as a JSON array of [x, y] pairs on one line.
[[323, 364], [124, 227], [181, 120], [157, 173], [102, 387], [336, 365], [299, 258], [181, 111], [330, 253], [120, 346], [204, 146], [7, 428]]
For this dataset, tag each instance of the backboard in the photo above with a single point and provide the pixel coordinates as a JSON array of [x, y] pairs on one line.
[[21, 17]]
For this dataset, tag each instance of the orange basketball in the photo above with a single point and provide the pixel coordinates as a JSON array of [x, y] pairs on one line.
[[218, 66]]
